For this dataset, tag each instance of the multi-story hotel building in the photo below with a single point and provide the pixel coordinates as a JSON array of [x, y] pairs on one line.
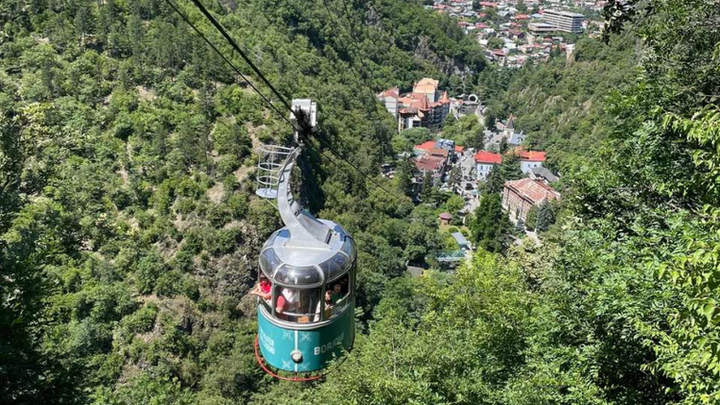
[[564, 20]]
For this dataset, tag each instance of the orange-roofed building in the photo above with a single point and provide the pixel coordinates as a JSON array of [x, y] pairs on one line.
[[484, 162], [521, 195], [425, 147], [529, 159], [423, 107], [427, 87], [432, 164]]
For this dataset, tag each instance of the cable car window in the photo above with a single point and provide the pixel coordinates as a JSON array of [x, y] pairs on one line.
[[334, 266], [349, 248], [297, 305], [289, 274], [269, 261], [337, 296]]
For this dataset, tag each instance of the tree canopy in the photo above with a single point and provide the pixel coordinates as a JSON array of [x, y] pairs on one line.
[[129, 231]]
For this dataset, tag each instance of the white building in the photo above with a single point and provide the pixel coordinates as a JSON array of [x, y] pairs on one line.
[[564, 20], [484, 162]]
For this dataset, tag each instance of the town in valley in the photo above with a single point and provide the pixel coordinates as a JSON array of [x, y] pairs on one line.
[[441, 164]]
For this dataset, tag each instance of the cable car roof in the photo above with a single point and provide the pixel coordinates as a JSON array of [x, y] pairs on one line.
[[298, 265]]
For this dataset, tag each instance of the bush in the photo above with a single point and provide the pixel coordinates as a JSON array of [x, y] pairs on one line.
[[168, 284], [228, 164], [183, 261], [148, 270], [236, 206], [141, 321], [185, 206], [190, 288]]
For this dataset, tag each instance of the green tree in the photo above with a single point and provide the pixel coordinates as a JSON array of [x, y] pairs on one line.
[[428, 185], [545, 216], [496, 43], [495, 181], [416, 136], [475, 138], [510, 167], [490, 227], [404, 176], [455, 178], [521, 7], [531, 218]]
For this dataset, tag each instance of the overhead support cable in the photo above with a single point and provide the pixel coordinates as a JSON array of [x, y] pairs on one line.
[[364, 71], [235, 46], [229, 63], [297, 115]]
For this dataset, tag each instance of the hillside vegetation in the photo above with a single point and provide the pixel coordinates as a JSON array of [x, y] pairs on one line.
[[129, 232], [129, 229]]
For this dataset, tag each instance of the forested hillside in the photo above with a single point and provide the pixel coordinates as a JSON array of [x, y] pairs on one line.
[[619, 306], [129, 232]]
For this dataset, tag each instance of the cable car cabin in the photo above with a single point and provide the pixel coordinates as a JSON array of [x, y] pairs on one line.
[[310, 318], [310, 266]]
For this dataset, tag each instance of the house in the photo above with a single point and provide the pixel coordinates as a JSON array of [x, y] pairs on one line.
[[513, 138], [529, 159], [442, 148], [441, 153], [427, 87], [390, 99], [484, 162], [433, 164], [424, 147], [521, 195]]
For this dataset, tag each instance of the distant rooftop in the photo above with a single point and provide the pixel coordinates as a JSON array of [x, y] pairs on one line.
[[564, 13]]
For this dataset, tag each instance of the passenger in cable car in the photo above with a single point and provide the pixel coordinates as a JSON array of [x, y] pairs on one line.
[[263, 289], [287, 301], [336, 294]]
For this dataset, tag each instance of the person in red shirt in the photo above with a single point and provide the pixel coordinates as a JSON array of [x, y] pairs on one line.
[[286, 302], [262, 289]]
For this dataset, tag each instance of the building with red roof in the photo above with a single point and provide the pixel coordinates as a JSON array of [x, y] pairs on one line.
[[425, 147], [521, 195], [423, 107], [440, 152], [445, 218], [529, 159], [484, 162], [433, 164]]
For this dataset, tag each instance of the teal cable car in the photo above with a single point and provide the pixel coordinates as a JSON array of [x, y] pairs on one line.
[[308, 266]]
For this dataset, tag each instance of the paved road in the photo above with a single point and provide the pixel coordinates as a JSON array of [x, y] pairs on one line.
[[467, 166]]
